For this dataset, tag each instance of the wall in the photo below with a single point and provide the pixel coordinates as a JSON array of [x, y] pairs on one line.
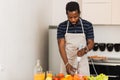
[[23, 37], [107, 34], [58, 11]]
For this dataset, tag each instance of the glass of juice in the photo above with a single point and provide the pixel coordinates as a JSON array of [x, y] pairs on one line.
[[39, 76], [49, 74]]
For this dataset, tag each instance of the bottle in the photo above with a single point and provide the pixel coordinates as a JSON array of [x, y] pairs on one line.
[[38, 67], [38, 71]]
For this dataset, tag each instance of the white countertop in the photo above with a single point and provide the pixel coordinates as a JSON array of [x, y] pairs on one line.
[[105, 54]]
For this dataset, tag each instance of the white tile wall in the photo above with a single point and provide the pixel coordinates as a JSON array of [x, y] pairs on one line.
[[107, 34]]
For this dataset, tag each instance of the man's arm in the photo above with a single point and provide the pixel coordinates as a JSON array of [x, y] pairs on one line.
[[90, 44], [61, 45], [69, 67], [87, 48]]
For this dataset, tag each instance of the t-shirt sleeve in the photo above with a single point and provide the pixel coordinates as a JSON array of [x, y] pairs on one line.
[[90, 32], [60, 31]]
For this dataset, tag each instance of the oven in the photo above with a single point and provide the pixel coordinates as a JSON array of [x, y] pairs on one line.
[[111, 68]]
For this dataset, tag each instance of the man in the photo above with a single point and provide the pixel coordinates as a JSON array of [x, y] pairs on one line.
[[75, 38]]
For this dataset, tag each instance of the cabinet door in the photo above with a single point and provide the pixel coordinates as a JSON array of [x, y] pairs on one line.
[[115, 11], [96, 0], [97, 13]]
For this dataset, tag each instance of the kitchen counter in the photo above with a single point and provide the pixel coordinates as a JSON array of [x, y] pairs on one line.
[[105, 63], [111, 61]]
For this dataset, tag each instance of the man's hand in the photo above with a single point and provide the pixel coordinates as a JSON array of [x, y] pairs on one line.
[[81, 52], [70, 69]]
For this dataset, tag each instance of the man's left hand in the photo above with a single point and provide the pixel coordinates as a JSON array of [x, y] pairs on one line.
[[81, 52]]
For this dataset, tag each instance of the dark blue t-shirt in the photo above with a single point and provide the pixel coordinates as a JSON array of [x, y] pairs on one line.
[[76, 28]]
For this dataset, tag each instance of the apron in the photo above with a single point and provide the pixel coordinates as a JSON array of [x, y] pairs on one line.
[[73, 42]]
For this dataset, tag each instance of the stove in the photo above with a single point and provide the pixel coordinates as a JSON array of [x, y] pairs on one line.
[[109, 67]]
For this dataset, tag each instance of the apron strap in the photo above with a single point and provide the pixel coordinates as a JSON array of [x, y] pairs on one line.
[[80, 23], [67, 26]]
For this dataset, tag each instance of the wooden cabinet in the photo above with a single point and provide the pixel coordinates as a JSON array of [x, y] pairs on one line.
[[101, 11]]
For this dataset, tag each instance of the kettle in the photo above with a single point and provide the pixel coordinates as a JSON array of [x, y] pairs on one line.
[[117, 47], [110, 46], [102, 46], [95, 48]]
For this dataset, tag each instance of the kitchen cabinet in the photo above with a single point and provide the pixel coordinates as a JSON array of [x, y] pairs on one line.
[[96, 0], [97, 13], [115, 12], [101, 11]]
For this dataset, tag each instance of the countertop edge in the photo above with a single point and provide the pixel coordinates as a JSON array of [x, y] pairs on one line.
[[55, 26]]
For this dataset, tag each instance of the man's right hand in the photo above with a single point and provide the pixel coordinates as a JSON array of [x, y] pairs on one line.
[[70, 69]]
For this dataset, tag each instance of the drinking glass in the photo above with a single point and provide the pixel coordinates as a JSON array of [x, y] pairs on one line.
[[39, 76], [49, 74]]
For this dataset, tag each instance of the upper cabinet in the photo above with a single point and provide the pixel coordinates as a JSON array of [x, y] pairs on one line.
[[101, 11], [97, 13], [96, 1], [115, 11]]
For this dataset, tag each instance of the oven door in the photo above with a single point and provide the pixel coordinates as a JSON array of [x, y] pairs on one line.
[[110, 69]]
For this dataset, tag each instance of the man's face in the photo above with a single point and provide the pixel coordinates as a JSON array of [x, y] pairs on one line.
[[73, 16]]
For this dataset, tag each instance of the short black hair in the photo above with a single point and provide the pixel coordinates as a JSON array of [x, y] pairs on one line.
[[72, 6]]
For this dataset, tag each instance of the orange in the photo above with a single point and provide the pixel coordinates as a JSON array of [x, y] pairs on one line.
[[63, 79], [61, 75], [76, 77], [85, 77], [69, 77], [55, 78]]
